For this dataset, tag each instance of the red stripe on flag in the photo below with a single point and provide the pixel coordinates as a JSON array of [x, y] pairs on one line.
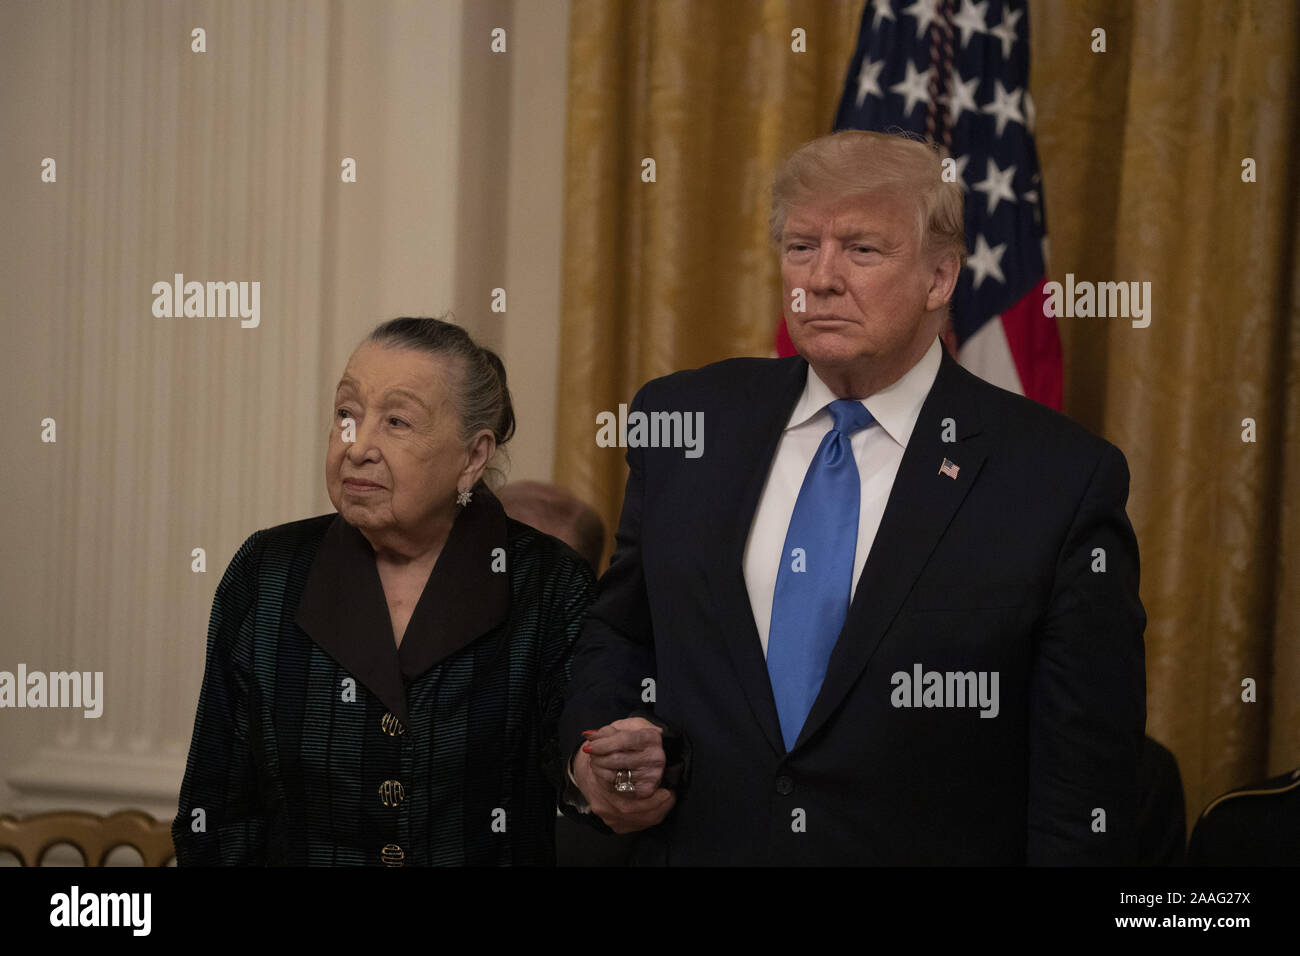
[[1035, 347]]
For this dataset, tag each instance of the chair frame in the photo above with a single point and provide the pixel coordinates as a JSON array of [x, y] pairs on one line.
[[94, 836]]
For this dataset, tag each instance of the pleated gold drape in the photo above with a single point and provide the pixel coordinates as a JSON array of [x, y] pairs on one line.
[[678, 272], [1141, 149]]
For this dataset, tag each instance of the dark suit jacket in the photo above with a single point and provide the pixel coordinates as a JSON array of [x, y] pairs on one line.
[[1162, 819], [317, 741], [990, 571]]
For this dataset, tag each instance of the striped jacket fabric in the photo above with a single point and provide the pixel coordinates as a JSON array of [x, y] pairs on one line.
[[319, 741]]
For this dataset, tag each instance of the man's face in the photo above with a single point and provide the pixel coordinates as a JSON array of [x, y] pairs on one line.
[[870, 294], [401, 473]]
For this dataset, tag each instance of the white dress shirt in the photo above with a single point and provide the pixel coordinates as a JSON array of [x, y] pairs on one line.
[[878, 450]]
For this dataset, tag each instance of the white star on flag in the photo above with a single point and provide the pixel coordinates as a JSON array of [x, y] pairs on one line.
[[1006, 30], [914, 87], [961, 96], [971, 20], [883, 12], [925, 12], [1005, 106], [869, 80], [959, 165], [986, 262], [997, 185]]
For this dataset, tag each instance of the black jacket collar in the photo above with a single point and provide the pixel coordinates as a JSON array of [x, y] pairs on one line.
[[343, 608]]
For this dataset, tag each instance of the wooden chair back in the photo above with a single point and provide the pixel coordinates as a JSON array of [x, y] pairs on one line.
[[93, 835]]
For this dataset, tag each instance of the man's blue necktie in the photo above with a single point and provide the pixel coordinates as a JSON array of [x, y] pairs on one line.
[[815, 577]]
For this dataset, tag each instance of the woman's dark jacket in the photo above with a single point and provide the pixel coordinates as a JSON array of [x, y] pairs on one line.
[[319, 742]]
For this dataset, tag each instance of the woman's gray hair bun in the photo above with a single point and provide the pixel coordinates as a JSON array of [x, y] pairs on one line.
[[482, 397]]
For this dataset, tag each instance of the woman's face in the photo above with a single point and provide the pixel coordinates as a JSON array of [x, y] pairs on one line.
[[401, 474]]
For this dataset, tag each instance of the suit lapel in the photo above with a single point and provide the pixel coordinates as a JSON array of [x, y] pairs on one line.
[[921, 504], [754, 435], [344, 610]]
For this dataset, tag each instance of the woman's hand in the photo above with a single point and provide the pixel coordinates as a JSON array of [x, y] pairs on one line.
[[632, 744]]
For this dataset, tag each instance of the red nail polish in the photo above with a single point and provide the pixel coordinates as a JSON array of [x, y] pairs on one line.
[[586, 748]]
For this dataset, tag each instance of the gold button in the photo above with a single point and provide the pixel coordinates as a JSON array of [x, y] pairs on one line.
[[391, 793], [392, 855], [391, 725]]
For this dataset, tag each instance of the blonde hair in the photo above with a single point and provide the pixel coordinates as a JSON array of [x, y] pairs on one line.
[[854, 163]]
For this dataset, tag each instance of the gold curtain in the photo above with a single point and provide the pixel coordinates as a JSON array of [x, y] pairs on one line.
[[1141, 148], [677, 272]]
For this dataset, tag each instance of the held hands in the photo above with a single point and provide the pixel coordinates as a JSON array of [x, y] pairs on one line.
[[630, 744]]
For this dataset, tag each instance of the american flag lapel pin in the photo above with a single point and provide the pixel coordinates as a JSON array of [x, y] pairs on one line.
[[949, 469]]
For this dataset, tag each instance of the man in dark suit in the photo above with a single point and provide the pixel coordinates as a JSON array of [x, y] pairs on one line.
[[890, 614]]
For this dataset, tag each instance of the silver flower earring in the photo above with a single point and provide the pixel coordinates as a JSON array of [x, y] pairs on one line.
[[463, 497]]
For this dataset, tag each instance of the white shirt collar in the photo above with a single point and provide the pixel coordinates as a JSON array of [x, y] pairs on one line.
[[896, 407]]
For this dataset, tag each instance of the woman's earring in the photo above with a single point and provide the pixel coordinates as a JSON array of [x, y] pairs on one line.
[[463, 497]]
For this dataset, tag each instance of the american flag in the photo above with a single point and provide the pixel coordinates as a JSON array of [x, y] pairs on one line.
[[949, 469], [960, 75]]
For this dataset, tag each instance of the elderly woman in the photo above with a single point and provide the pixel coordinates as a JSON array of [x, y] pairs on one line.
[[382, 684]]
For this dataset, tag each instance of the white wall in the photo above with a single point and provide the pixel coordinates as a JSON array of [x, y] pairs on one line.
[[176, 433]]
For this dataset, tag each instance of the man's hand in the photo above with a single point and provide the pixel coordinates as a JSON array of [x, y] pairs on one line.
[[630, 744]]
